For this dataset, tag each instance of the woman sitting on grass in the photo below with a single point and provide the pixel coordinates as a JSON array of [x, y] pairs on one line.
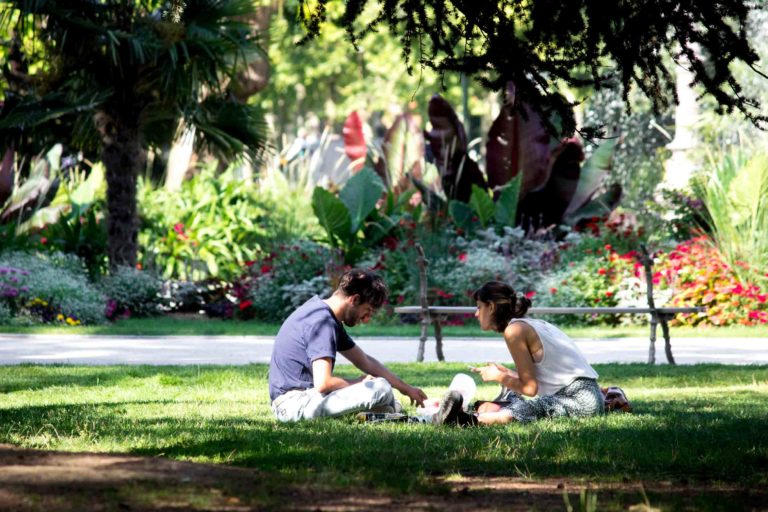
[[549, 367]]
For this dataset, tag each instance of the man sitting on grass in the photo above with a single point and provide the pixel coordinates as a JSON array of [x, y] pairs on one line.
[[301, 380]]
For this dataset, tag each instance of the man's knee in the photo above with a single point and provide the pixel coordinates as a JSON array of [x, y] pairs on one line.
[[381, 391]]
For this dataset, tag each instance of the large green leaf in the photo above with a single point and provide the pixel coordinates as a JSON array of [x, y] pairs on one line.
[[482, 204], [599, 206], [91, 188], [360, 195], [332, 215], [461, 213], [506, 205], [597, 166]]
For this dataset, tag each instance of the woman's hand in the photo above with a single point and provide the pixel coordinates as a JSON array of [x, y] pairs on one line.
[[493, 372]]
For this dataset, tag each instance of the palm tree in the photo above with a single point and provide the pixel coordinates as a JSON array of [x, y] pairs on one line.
[[120, 75]]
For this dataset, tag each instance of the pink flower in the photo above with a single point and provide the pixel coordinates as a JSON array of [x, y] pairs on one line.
[[463, 257], [530, 295]]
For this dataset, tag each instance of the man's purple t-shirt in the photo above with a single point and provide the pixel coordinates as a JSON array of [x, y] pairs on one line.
[[311, 332]]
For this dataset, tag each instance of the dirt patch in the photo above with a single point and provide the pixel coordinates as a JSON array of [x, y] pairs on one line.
[[34, 480]]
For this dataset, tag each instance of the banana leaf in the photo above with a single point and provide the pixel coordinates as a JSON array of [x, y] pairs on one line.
[[448, 142], [360, 195], [600, 206], [332, 215], [518, 142], [483, 205], [403, 148], [354, 141], [547, 206], [594, 170], [507, 202]]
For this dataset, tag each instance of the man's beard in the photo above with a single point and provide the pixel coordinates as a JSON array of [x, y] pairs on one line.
[[351, 318]]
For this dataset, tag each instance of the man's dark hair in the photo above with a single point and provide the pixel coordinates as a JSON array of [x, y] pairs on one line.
[[366, 284]]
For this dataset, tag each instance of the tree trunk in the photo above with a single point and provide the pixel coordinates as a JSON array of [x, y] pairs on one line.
[[123, 157]]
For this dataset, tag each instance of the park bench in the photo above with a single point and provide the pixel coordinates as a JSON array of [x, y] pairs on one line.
[[435, 315]]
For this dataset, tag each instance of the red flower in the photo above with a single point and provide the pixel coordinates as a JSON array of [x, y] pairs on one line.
[[265, 269], [601, 271], [608, 294], [43, 240], [400, 299], [553, 290], [245, 305], [463, 257], [445, 295], [608, 247], [390, 243], [250, 263], [530, 295], [179, 229]]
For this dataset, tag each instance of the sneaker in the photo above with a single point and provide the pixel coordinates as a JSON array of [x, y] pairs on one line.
[[380, 417], [450, 406], [465, 419]]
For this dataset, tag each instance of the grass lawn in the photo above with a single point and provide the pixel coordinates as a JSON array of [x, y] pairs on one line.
[[692, 424], [168, 325]]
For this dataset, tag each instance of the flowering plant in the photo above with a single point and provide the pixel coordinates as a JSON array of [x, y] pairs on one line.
[[698, 276], [283, 279], [48, 288]]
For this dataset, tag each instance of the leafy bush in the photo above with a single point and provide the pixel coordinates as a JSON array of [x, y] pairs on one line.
[[285, 278], [457, 266], [698, 276], [49, 288], [131, 292], [5, 313], [210, 227], [734, 191], [603, 277]]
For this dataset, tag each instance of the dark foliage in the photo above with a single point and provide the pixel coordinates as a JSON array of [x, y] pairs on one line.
[[542, 43]]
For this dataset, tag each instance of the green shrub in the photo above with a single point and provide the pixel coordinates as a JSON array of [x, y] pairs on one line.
[[5, 313], [274, 285], [131, 291], [53, 288], [211, 227]]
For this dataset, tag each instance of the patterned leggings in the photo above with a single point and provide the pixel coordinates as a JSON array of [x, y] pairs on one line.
[[582, 397]]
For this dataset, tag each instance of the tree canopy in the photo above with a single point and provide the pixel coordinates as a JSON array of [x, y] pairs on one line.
[[543, 45], [117, 77]]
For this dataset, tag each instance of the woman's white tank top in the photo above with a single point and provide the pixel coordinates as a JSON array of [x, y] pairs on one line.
[[562, 361]]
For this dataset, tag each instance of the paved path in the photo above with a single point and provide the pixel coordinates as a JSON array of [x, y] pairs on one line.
[[173, 350]]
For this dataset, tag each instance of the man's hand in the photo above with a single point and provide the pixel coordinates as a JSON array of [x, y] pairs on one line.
[[416, 395]]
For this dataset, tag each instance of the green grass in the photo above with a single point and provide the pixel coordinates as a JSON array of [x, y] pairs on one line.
[[703, 423], [162, 326]]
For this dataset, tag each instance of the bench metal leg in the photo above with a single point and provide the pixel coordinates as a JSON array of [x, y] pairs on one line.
[[422, 338], [652, 347], [438, 338], [667, 343]]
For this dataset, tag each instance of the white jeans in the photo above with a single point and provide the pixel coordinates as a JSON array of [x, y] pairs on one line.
[[309, 403]]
